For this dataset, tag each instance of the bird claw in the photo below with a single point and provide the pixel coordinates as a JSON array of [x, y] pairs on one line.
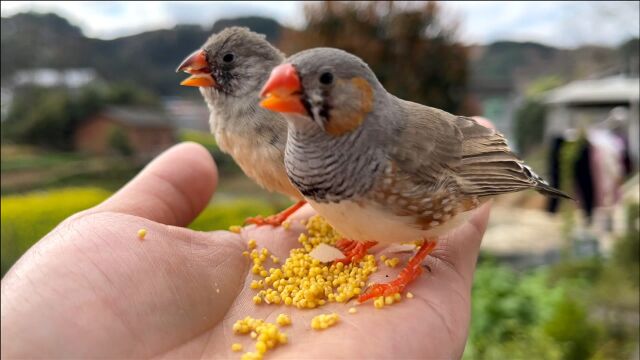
[[276, 219], [405, 277], [273, 220], [376, 290], [354, 250]]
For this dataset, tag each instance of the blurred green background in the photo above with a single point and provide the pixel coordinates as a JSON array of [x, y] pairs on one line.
[[550, 286]]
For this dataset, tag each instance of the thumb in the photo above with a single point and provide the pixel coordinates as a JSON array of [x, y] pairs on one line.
[[460, 248], [173, 189]]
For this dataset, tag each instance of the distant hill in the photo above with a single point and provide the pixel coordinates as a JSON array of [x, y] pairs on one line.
[[516, 64], [149, 59], [34, 40]]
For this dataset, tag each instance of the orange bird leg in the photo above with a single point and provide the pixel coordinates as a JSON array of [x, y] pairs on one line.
[[276, 219], [407, 275], [353, 250]]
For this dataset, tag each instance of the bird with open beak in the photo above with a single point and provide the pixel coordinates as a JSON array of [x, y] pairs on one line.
[[229, 70], [381, 169]]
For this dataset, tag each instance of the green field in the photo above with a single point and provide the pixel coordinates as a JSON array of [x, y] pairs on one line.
[[28, 217]]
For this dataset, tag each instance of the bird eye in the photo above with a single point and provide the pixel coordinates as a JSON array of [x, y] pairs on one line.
[[326, 78], [228, 57]]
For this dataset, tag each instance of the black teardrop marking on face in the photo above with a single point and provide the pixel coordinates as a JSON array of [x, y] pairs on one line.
[[223, 80], [307, 104], [324, 110]]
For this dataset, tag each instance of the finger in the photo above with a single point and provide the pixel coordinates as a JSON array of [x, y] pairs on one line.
[[484, 122], [173, 189], [461, 247]]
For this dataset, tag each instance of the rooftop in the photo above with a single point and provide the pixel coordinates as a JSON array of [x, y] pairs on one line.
[[138, 116], [48, 77], [607, 90]]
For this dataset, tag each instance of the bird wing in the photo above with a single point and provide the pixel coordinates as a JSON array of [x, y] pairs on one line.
[[428, 148], [489, 167], [457, 155]]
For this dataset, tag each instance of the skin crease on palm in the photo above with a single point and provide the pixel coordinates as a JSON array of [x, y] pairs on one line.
[[91, 288]]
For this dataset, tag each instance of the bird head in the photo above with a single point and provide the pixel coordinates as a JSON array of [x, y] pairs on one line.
[[328, 87], [233, 62]]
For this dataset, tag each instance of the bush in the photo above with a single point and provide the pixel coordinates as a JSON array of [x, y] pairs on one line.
[[119, 142], [627, 248], [530, 119], [507, 311], [529, 125], [27, 218], [570, 327]]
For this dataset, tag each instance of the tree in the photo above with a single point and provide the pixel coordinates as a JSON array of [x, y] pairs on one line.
[[530, 116], [48, 117], [119, 142], [412, 50]]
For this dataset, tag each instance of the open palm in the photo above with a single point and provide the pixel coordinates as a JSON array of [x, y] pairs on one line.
[[91, 288]]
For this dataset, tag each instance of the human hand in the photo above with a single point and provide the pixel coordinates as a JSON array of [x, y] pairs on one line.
[[91, 288]]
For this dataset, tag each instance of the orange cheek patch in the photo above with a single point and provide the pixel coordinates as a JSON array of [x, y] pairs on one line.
[[347, 118]]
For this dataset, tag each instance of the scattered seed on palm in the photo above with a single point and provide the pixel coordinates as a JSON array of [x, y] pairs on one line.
[[267, 335], [324, 321]]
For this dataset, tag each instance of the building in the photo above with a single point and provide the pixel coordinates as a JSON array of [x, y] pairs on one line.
[[583, 103], [188, 113], [498, 101], [140, 131], [46, 77]]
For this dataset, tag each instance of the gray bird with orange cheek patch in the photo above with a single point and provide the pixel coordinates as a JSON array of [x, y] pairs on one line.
[[382, 169], [230, 69]]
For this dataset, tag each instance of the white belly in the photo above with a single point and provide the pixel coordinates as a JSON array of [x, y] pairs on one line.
[[372, 223]]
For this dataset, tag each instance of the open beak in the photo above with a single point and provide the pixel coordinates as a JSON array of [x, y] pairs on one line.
[[196, 65], [282, 92]]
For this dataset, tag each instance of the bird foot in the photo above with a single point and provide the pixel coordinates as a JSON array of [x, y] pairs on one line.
[[353, 250], [406, 276], [276, 219]]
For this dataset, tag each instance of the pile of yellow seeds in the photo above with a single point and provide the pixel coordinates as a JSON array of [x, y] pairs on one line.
[[267, 335], [324, 321], [305, 282]]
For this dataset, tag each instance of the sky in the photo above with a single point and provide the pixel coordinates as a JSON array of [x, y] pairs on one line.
[[564, 24]]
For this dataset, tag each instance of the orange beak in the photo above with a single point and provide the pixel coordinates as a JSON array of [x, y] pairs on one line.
[[282, 91], [196, 65]]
